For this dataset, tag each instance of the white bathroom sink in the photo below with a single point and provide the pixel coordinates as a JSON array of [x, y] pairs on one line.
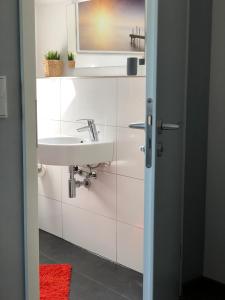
[[65, 151]]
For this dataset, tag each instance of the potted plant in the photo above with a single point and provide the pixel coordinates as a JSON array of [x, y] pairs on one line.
[[53, 66], [71, 60]]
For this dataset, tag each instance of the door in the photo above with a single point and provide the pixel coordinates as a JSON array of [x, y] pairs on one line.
[[166, 86], [167, 24]]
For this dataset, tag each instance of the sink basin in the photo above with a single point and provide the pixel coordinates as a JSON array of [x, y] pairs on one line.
[[65, 151]]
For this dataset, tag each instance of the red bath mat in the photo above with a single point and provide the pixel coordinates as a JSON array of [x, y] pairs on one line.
[[55, 282]]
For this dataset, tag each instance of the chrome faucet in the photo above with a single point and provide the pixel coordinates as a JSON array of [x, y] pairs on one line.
[[91, 127]]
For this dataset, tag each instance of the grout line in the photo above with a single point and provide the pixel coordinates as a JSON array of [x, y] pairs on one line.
[[99, 124], [49, 119], [131, 225], [60, 105], [100, 215], [61, 183], [61, 202], [92, 212], [116, 155], [118, 174], [89, 211], [96, 123], [49, 198], [61, 169], [102, 284], [48, 257], [138, 179], [94, 77]]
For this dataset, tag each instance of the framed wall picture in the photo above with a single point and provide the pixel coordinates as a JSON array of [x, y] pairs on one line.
[[114, 26]]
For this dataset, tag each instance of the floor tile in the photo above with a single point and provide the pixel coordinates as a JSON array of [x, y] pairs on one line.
[[93, 277], [84, 288], [45, 260]]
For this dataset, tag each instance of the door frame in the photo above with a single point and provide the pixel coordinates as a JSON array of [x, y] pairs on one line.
[[29, 131], [149, 182], [29, 123]]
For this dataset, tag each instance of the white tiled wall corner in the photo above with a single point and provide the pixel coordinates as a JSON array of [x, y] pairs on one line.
[[89, 98], [50, 215], [90, 231], [131, 101], [130, 160], [130, 242], [48, 95], [100, 198], [130, 201], [50, 184]]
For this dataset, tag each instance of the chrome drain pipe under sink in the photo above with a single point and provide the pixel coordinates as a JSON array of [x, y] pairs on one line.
[[73, 184]]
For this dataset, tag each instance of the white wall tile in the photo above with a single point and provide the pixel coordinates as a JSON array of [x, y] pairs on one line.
[[130, 201], [131, 101], [48, 98], [50, 215], [104, 133], [99, 198], [130, 246], [130, 160], [109, 133], [89, 98], [47, 128], [49, 185], [90, 231]]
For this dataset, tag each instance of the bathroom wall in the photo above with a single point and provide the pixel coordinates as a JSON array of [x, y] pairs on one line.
[[106, 219], [214, 266], [51, 33], [11, 194]]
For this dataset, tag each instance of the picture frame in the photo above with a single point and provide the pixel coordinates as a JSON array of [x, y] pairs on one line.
[[88, 25]]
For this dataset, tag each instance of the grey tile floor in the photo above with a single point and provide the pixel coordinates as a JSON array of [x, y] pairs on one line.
[[93, 278]]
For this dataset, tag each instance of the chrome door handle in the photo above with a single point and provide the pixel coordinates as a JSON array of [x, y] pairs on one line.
[[147, 126], [137, 126]]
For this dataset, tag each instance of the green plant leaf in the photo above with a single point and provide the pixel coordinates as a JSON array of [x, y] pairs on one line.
[[52, 55], [71, 56]]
